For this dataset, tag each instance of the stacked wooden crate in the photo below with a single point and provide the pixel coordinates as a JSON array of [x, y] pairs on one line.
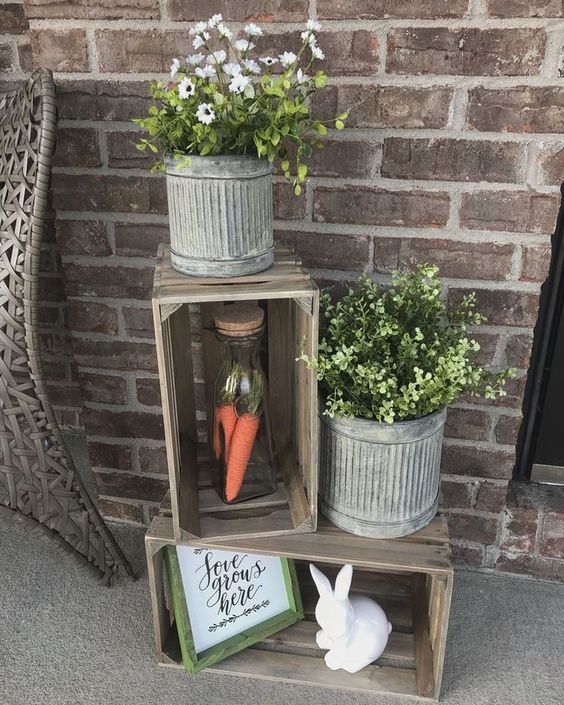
[[411, 577]]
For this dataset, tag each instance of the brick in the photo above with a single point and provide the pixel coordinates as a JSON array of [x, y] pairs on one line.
[[92, 9], [552, 539], [123, 424], [109, 455], [13, 19], [102, 192], [373, 206], [544, 568], [140, 50], [384, 9], [105, 280], [104, 389], [465, 260], [66, 395], [503, 306], [122, 152], [153, 460], [51, 288], [455, 495], [347, 159], [139, 487], [139, 239], [121, 511], [469, 424], [462, 554], [507, 428], [522, 109], [102, 100], [491, 498], [385, 106], [453, 160], [511, 211], [92, 317], [347, 53], [25, 55], [148, 391], [535, 263], [327, 250], [518, 350], [7, 61], [61, 50], [83, 237], [477, 462], [77, 148], [286, 205], [466, 52], [524, 8], [519, 530], [115, 355], [240, 11], [138, 322], [478, 529], [551, 164]]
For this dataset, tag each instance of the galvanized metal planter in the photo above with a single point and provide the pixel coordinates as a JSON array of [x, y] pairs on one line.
[[377, 479], [220, 213]]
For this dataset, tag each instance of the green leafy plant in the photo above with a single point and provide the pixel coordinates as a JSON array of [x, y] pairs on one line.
[[399, 353], [221, 100]]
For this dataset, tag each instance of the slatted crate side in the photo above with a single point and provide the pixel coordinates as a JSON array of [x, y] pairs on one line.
[[418, 611]]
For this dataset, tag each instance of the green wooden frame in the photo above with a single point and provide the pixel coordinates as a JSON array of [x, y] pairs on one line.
[[194, 662]]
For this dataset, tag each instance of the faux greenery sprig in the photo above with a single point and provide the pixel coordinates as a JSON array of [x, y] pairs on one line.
[[399, 353], [219, 101]]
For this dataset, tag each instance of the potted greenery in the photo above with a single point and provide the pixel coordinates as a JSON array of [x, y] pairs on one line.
[[224, 118], [390, 362]]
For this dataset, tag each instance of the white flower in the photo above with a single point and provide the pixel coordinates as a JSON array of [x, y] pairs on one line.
[[186, 88], [312, 41], [251, 65], [205, 113], [287, 58], [195, 59], [305, 35], [253, 30], [205, 71], [232, 69], [239, 83], [217, 57], [317, 53], [301, 77], [200, 40], [214, 20], [268, 60], [178, 108], [313, 25], [174, 68], [243, 45], [224, 31], [198, 28]]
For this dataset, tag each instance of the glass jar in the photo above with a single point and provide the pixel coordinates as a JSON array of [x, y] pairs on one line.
[[242, 439]]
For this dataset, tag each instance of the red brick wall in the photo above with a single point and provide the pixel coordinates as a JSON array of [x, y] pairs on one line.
[[452, 154]]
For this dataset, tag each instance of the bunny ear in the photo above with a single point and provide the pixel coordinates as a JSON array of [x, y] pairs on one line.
[[343, 582], [321, 581]]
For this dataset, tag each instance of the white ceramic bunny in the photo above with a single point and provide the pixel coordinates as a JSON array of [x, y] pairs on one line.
[[354, 629]]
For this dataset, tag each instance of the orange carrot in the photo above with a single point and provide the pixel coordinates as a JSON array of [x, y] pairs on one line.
[[225, 419], [242, 443]]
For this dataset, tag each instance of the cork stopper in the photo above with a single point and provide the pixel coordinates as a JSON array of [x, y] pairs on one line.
[[239, 320]]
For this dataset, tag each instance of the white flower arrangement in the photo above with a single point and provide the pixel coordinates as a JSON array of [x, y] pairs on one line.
[[222, 100]]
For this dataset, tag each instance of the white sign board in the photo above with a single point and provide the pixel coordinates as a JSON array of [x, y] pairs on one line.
[[228, 593]]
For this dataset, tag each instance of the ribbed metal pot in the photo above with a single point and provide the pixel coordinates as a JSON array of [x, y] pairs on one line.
[[378, 479], [220, 213]]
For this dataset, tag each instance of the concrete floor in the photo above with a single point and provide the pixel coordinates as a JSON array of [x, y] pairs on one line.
[[65, 640]]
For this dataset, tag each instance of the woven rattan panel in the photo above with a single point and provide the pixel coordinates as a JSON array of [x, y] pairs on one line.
[[37, 476]]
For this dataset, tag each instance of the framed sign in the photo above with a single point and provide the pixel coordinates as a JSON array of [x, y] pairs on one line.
[[224, 602]]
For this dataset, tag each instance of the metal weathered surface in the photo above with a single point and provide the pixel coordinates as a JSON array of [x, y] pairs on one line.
[[377, 479], [220, 213]]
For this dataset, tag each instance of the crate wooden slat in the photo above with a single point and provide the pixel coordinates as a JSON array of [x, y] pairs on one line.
[[291, 300], [411, 578]]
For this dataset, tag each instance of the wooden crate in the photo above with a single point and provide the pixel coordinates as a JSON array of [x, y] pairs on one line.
[[291, 301], [411, 578]]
